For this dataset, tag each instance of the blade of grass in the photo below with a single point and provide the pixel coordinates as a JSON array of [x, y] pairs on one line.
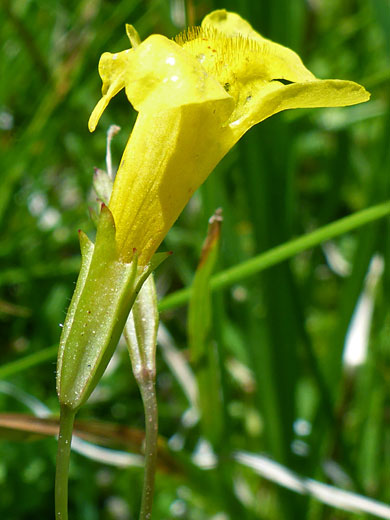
[[280, 253], [32, 360], [203, 353]]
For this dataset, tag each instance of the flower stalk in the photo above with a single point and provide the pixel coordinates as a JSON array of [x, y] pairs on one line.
[[141, 337], [62, 466], [148, 394]]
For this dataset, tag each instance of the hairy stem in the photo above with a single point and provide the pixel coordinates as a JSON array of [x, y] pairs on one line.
[[62, 469], [148, 393]]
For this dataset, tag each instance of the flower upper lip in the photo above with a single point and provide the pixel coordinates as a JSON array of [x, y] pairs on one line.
[[245, 64]]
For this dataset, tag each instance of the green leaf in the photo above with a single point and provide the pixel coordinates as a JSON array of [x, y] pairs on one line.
[[203, 350]]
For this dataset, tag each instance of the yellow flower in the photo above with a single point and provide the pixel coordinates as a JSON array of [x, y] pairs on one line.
[[196, 97]]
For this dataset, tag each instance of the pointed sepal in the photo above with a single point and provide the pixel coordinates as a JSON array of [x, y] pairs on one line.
[[102, 184]]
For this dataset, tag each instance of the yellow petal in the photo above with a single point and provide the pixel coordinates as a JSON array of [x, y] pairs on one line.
[[160, 75], [112, 70], [229, 23], [133, 35], [282, 62], [256, 53], [309, 94], [242, 63], [196, 98], [168, 156], [178, 138], [252, 69]]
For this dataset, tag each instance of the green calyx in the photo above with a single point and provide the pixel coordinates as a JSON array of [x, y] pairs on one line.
[[104, 294]]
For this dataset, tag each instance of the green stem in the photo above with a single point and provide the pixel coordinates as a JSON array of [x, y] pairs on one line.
[[62, 469], [148, 393]]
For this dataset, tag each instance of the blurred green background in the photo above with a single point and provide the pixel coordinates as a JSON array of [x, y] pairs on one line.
[[279, 384]]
